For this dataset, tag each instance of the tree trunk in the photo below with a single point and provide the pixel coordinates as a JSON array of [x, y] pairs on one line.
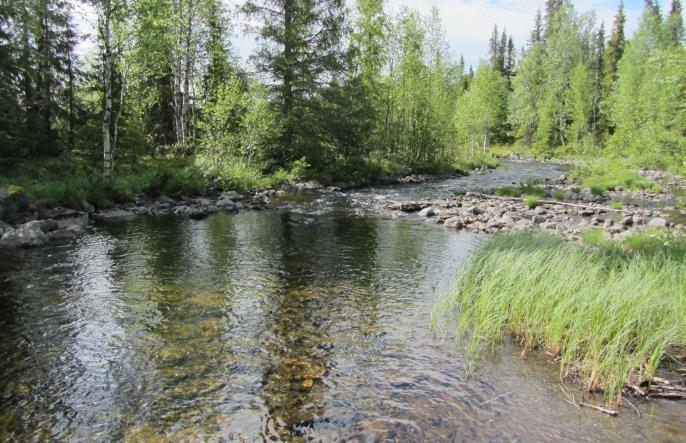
[[107, 90]]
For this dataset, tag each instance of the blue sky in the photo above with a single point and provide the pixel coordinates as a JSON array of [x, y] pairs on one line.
[[468, 23]]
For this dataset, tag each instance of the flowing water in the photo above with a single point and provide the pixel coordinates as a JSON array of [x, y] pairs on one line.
[[310, 321]]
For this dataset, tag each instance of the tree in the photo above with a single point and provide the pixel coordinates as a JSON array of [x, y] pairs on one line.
[[675, 23], [481, 111], [615, 49], [112, 35], [552, 7], [300, 51], [536, 36]]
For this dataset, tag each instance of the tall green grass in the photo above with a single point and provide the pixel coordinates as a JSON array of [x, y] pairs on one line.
[[612, 312]]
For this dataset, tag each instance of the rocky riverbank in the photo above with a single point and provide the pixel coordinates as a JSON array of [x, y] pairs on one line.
[[27, 225], [486, 213]]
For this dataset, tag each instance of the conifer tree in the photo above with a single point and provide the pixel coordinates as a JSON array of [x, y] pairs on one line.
[[300, 50], [675, 23], [536, 35], [615, 49]]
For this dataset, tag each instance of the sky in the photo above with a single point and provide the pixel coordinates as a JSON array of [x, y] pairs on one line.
[[468, 23]]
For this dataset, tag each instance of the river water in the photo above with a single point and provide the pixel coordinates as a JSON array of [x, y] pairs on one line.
[[309, 321]]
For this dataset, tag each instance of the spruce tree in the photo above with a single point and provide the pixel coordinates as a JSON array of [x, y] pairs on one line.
[[536, 35], [615, 49], [675, 23], [552, 7], [300, 51]]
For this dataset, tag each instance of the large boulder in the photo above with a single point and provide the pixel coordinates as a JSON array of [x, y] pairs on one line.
[[27, 235]]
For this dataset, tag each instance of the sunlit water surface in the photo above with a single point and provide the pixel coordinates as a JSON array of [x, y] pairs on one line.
[[281, 324]]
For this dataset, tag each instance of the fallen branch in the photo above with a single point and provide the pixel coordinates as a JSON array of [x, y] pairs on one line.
[[548, 202], [601, 409]]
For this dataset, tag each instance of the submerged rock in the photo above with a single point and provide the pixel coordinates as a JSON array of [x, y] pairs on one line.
[[114, 215]]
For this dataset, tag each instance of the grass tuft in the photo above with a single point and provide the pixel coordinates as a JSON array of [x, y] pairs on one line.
[[559, 195], [529, 187], [531, 201], [612, 313]]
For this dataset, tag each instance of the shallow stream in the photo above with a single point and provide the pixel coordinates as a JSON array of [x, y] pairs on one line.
[[307, 321]]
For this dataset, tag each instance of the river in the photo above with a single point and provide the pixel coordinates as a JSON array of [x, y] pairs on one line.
[[307, 321]]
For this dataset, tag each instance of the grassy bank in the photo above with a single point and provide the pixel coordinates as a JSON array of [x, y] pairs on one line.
[[612, 311], [70, 183]]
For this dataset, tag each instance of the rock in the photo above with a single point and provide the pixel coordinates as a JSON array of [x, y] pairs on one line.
[[4, 227], [203, 201], [454, 222], [475, 210], [13, 202], [627, 221], [587, 212], [198, 213], [232, 195], [182, 210], [658, 222], [597, 221], [312, 185], [114, 215], [26, 235], [227, 205], [164, 201], [523, 225], [342, 185], [427, 212], [550, 226], [496, 224], [538, 219]]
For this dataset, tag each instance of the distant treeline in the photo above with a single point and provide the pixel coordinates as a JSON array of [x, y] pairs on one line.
[[329, 87]]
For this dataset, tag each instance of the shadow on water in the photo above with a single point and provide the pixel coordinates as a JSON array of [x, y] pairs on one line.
[[281, 325]]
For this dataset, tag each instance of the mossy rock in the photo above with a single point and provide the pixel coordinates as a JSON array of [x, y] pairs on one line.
[[13, 200]]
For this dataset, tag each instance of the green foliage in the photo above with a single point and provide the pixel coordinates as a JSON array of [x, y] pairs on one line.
[[602, 175], [531, 201], [481, 111], [529, 187], [559, 195], [617, 204], [578, 303]]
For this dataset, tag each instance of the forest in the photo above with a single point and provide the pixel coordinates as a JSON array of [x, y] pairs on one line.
[[335, 91]]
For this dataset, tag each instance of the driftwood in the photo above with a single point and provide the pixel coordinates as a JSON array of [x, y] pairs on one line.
[[548, 202], [601, 409]]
